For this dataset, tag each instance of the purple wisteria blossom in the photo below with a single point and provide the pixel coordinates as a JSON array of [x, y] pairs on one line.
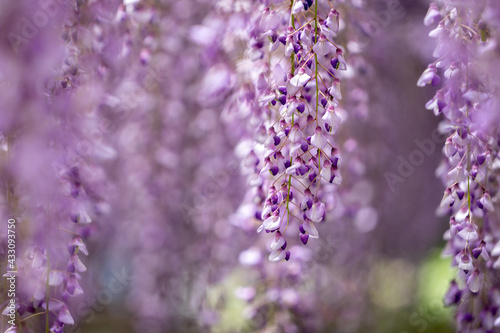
[[290, 97], [467, 62]]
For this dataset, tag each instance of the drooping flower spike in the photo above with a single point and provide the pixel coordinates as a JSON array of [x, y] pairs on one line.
[[298, 91], [467, 63]]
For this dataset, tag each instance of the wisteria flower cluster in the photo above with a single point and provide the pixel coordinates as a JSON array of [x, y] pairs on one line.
[[466, 51], [292, 158]]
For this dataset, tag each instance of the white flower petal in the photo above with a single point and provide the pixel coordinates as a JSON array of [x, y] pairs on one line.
[[310, 229], [276, 256], [299, 79]]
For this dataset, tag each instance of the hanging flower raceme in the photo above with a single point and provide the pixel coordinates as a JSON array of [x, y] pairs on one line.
[[467, 55], [299, 94], [55, 145]]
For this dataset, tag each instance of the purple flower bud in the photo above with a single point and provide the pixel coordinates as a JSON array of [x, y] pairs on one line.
[[304, 146], [335, 162], [334, 62], [306, 203], [312, 177], [453, 295], [74, 217], [476, 252], [304, 238], [481, 158], [274, 170], [258, 44], [479, 204], [275, 199], [303, 169], [301, 107], [474, 171], [466, 318]]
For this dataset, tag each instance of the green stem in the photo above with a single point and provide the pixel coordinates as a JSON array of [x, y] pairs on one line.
[[316, 20], [316, 74]]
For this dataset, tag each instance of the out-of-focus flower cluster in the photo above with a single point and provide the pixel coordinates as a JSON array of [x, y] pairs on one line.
[[53, 150]]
